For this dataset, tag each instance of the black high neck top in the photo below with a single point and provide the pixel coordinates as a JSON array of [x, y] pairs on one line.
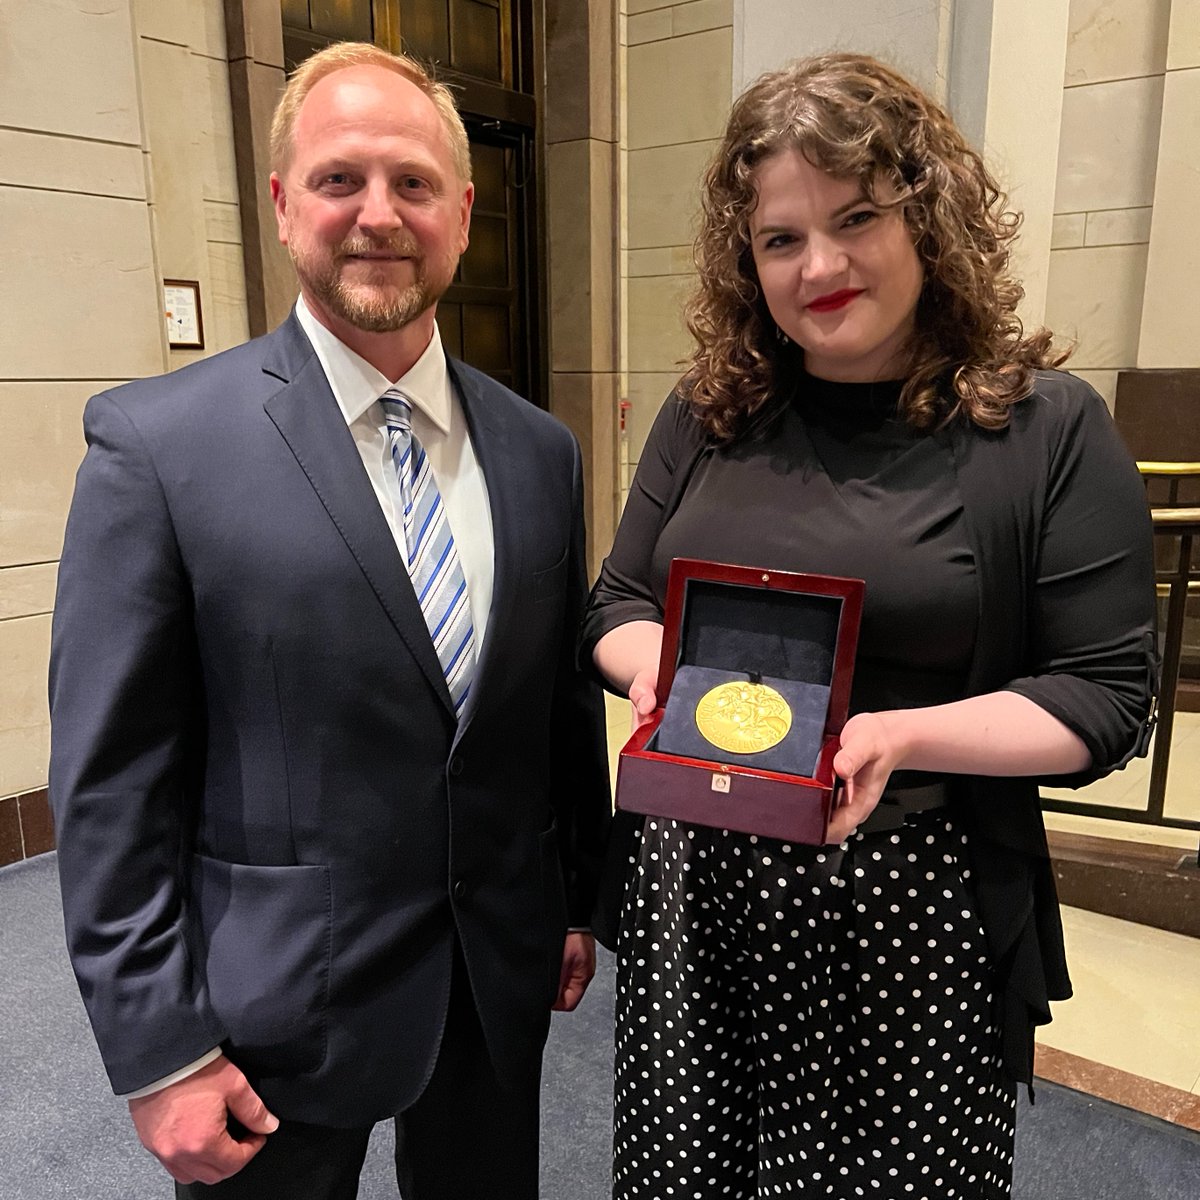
[[841, 485]]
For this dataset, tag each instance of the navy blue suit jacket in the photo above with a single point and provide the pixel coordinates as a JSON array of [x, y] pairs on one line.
[[270, 825]]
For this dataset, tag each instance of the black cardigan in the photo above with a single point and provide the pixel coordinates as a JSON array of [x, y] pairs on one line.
[[1058, 469]]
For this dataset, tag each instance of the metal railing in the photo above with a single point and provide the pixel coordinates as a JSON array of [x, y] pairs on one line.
[[1179, 523]]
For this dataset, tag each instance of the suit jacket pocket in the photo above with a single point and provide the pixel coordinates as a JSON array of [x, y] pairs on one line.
[[263, 937], [549, 583], [554, 895]]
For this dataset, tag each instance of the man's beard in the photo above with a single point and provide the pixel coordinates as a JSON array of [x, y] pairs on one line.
[[374, 306]]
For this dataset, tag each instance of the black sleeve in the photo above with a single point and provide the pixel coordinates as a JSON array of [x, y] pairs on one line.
[[1092, 612], [624, 591], [580, 792]]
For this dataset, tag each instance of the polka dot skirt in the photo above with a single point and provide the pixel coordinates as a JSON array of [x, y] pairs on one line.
[[799, 1020]]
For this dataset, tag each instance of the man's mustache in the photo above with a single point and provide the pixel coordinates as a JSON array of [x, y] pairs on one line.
[[403, 246]]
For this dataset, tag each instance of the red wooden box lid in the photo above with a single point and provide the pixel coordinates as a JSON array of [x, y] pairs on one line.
[[850, 591]]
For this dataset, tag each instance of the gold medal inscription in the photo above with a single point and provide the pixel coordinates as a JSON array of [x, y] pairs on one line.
[[743, 718]]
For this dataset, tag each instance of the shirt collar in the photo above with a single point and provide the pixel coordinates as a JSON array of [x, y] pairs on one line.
[[356, 385]]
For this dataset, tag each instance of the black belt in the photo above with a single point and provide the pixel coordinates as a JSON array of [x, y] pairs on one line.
[[897, 805]]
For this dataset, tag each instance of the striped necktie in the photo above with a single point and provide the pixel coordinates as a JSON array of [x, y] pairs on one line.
[[437, 575]]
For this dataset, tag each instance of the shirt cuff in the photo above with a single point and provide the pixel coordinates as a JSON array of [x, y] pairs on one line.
[[175, 1076], [579, 929]]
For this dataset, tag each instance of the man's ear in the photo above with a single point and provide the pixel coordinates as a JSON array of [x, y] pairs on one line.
[[464, 216], [279, 200]]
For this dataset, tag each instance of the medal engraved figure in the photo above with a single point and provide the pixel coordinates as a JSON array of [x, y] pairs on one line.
[[743, 718], [849, 1020]]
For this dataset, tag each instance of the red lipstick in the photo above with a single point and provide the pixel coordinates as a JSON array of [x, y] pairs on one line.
[[834, 300]]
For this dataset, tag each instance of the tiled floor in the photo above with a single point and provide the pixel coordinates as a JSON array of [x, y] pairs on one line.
[[1137, 1000], [1137, 990]]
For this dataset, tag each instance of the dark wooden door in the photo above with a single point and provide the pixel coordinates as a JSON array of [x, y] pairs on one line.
[[491, 316]]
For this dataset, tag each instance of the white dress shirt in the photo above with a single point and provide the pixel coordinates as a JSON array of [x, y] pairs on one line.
[[440, 426]]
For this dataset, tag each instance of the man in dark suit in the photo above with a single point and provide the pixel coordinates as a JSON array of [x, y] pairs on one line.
[[330, 795]]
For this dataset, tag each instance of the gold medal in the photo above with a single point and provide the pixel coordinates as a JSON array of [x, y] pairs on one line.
[[743, 718]]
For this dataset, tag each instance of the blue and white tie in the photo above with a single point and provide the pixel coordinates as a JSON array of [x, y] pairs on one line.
[[437, 575]]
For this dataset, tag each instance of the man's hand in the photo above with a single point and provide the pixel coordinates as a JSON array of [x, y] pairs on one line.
[[869, 754], [185, 1125], [578, 967]]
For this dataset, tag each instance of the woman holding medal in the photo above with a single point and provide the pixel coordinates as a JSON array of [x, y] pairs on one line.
[[862, 401]]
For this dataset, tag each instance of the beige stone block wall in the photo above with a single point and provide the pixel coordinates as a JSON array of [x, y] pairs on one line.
[[1168, 330], [1108, 182], [658, 339], [41, 443], [1183, 46], [1125, 265], [1116, 39], [679, 88], [678, 91], [916, 37], [87, 309], [1095, 298], [1027, 41], [24, 722], [664, 190], [1120, 227], [190, 161], [27, 591], [1108, 144], [78, 298], [58, 163], [1069, 230], [67, 71], [116, 169]]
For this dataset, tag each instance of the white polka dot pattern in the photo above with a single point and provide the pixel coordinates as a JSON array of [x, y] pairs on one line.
[[816, 1021]]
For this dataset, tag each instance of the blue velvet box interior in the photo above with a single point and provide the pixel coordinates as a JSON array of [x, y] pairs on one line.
[[730, 633]]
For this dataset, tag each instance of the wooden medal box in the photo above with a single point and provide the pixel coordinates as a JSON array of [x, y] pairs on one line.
[[797, 633]]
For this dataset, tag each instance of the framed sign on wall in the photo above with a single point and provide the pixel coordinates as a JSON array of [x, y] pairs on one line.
[[181, 308]]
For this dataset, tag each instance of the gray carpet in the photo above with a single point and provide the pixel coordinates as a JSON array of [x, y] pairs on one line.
[[63, 1135]]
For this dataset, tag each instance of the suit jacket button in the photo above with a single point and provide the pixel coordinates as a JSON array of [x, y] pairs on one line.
[[456, 765], [460, 890]]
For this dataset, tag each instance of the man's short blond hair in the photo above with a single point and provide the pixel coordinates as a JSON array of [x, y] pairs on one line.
[[338, 57]]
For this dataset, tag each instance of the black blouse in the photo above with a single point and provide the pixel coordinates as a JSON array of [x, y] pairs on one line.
[[840, 486]]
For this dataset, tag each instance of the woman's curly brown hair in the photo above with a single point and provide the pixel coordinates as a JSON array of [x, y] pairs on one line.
[[857, 119]]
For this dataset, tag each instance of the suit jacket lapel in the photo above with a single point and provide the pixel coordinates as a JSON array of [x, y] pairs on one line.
[[307, 415], [491, 441]]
